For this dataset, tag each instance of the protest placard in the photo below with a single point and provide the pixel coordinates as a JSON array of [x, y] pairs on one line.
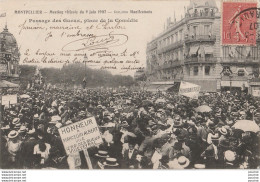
[[80, 136], [9, 99], [190, 90]]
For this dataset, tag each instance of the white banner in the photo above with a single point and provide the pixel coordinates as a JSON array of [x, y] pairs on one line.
[[190, 90], [256, 93], [9, 99], [80, 135], [3, 68]]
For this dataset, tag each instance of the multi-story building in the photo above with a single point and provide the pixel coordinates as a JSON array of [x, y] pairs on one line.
[[9, 57], [191, 50]]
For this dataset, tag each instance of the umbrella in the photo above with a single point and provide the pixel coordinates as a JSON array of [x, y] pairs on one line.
[[55, 118], [109, 125], [160, 101], [129, 109], [246, 125], [203, 108], [24, 96]]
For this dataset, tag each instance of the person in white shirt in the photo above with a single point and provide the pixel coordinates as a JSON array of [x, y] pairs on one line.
[[42, 149]]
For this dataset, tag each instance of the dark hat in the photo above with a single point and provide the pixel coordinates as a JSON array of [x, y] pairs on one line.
[[177, 146], [131, 140], [224, 144]]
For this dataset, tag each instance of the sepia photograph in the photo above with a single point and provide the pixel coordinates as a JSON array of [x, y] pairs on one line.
[[129, 85]]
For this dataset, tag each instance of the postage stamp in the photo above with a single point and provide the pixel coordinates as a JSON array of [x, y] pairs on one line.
[[239, 23]]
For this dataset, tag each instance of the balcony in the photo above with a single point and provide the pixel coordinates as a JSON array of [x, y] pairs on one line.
[[200, 60], [170, 64], [200, 38], [250, 60], [171, 46], [198, 15]]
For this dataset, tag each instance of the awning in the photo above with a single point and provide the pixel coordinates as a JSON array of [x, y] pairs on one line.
[[208, 50], [206, 85], [234, 84], [155, 88], [193, 50]]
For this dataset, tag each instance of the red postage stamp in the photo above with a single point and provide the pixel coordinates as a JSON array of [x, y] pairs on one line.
[[239, 23]]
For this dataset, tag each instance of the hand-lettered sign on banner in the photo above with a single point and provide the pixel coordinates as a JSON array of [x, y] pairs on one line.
[[80, 135]]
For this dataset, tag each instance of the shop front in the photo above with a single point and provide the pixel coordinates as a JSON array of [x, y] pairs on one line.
[[254, 88]]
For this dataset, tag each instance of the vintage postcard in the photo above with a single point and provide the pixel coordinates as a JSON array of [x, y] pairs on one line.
[[129, 84]]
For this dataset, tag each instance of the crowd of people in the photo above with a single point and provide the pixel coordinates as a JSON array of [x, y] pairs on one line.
[[140, 130]]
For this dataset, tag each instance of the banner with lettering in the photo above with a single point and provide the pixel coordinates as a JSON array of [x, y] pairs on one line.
[[190, 90], [9, 99], [80, 135]]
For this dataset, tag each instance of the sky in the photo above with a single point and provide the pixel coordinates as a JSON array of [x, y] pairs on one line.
[[138, 33]]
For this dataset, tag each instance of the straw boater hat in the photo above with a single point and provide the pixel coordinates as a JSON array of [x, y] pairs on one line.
[[7, 127], [30, 132], [199, 166], [17, 126], [23, 129], [223, 131], [13, 134], [230, 156], [36, 116], [111, 162], [181, 163], [102, 154], [58, 125], [15, 121]]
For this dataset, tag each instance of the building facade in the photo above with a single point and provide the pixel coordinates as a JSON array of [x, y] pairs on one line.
[[9, 57], [191, 50]]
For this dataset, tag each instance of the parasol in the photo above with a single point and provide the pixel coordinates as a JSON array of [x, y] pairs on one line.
[[203, 108], [55, 119], [246, 125], [24, 96], [160, 101], [147, 102]]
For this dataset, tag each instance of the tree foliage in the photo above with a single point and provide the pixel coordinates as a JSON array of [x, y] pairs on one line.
[[74, 74]]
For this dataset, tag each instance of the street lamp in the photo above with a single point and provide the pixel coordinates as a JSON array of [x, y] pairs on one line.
[[230, 79]]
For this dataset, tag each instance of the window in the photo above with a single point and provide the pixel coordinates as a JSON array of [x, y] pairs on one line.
[[177, 37], [225, 51], [195, 70], [226, 71], [181, 56], [180, 35], [254, 52], [207, 70], [240, 50], [188, 71], [241, 72], [206, 29], [195, 30]]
